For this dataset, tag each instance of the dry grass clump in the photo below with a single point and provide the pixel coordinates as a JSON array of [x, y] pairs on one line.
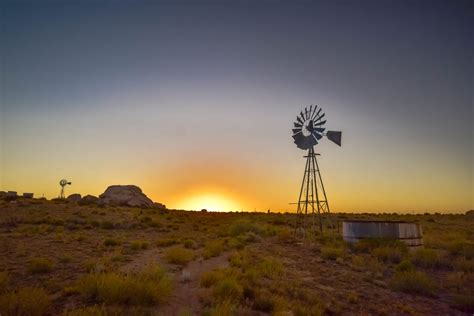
[[227, 289], [190, 244], [413, 282], [210, 278], [462, 248], [242, 227], [40, 265], [151, 286], [331, 253], [111, 242], [271, 268], [139, 244], [223, 308], [4, 279], [427, 258], [388, 254], [166, 242], [87, 311], [404, 266], [213, 248], [368, 245], [179, 255], [25, 301]]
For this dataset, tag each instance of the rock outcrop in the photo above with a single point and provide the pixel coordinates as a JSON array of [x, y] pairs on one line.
[[76, 197], [88, 200], [125, 195]]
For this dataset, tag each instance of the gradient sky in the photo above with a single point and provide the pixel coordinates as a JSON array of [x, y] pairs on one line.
[[194, 103]]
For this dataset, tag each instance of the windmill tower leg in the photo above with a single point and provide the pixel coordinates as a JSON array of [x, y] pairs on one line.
[[312, 196], [302, 209], [322, 204]]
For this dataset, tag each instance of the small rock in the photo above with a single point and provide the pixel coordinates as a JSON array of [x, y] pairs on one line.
[[185, 276]]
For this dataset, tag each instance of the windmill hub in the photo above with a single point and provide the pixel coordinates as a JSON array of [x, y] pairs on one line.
[[63, 184], [307, 132]]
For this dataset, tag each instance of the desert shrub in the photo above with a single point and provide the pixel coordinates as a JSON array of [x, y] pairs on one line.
[[279, 221], [148, 287], [426, 258], [285, 236], [369, 244], [107, 225], [135, 245], [463, 264], [404, 266], [65, 258], [40, 265], [87, 311], [179, 255], [264, 301], [213, 248], [210, 278], [413, 282], [358, 262], [110, 242], [462, 248], [166, 242], [236, 243], [242, 227], [223, 308], [190, 244], [271, 268], [139, 244], [331, 253], [4, 279], [252, 237], [464, 302], [227, 289], [26, 301], [388, 254]]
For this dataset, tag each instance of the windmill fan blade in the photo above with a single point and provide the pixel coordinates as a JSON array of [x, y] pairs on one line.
[[317, 135], [322, 115], [296, 130], [319, 111], [312, 141], [302, 116], [297, 125], [335, 137], [316, 139], [319, 129], [299, 120], [306, 113], [310, 110], [319, 123]]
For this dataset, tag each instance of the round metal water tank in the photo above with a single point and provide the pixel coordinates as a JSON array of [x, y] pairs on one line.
[[408, 232]]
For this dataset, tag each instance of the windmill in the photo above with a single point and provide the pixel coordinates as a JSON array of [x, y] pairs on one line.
[[307, 132], [63, 183]]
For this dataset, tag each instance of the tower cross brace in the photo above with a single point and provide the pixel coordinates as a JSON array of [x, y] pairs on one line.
[[312, 197]]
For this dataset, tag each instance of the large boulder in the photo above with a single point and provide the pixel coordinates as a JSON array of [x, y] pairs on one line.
[[88, 200], [76, 197], [125, 195]]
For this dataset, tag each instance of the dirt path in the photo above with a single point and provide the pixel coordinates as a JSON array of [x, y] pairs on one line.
[[185, 294]]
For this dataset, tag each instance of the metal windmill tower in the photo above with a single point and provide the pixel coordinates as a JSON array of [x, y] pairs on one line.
[[63, 183], [308, 130]]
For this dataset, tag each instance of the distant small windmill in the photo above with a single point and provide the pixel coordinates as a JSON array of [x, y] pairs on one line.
[[63, 184], [308, 130]]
